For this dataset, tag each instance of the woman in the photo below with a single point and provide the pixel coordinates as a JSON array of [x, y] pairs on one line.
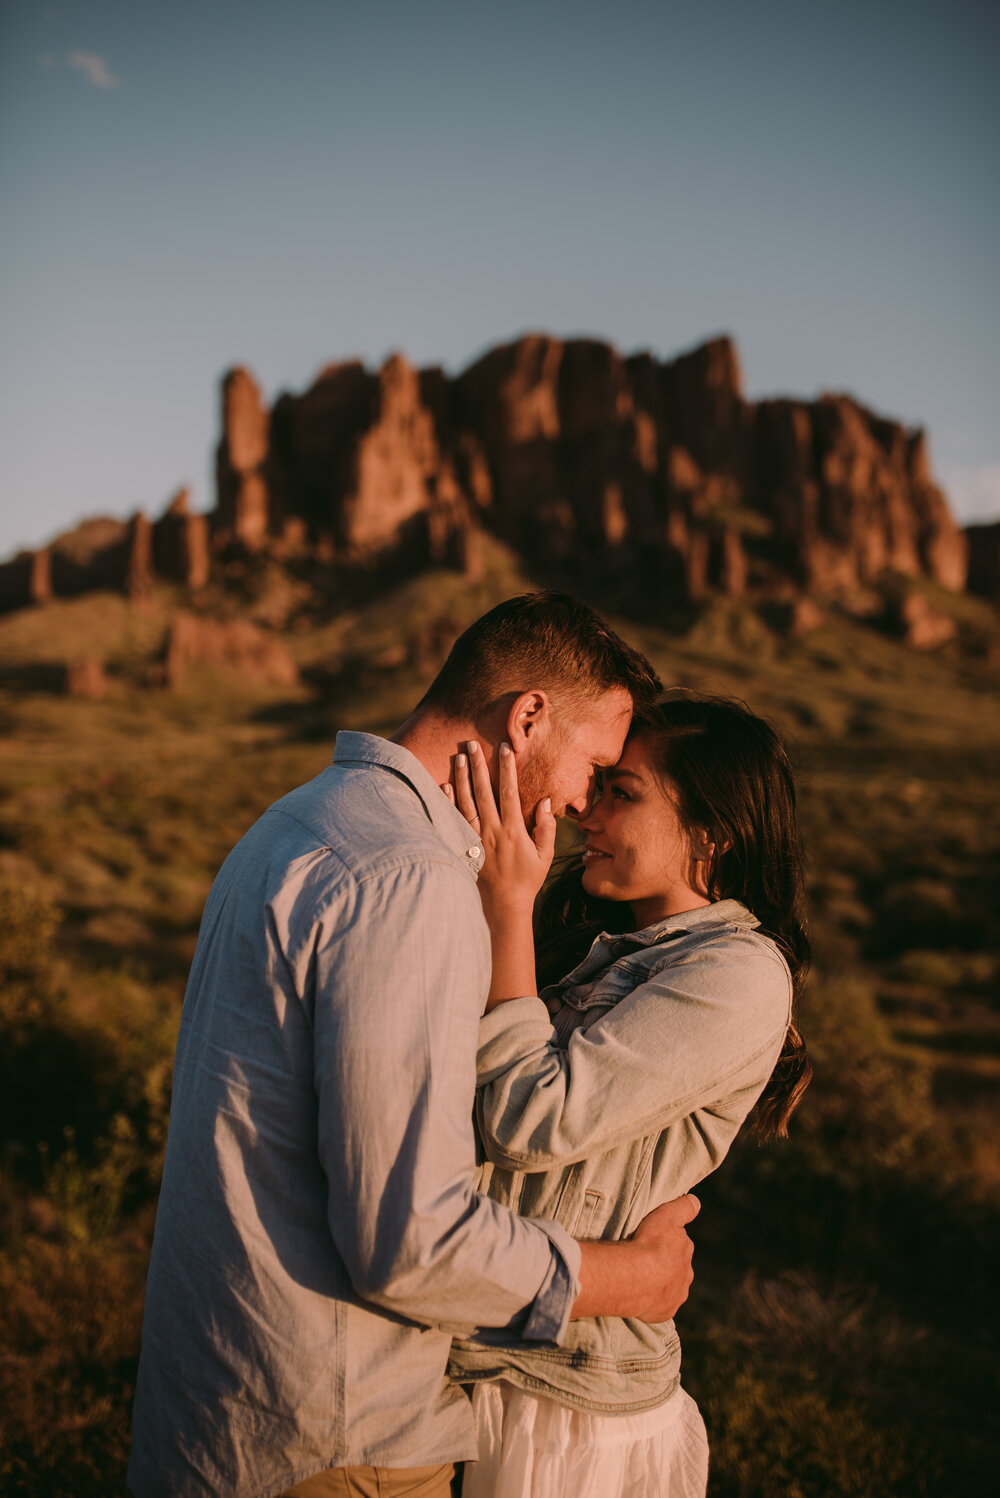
[[681, 932]]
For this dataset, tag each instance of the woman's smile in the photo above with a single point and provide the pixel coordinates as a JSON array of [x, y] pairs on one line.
[[591, 853]]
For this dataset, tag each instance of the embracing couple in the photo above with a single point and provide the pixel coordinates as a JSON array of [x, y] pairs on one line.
[[424, 1199]]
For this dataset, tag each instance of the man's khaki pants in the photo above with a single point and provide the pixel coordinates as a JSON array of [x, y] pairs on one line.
[[376, 1482]]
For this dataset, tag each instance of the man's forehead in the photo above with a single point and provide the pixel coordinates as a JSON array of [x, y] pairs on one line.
[[603, 724], [617, 707]]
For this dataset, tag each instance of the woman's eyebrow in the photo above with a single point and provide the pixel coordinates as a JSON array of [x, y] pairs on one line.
[[614, 773]]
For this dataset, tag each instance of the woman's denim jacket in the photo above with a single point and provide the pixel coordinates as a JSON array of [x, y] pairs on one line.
[[617, 1090]]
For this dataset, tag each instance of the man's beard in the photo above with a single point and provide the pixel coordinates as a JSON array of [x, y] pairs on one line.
[[534, 781]]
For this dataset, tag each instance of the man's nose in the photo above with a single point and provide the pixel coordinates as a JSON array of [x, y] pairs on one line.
[[583, 807]]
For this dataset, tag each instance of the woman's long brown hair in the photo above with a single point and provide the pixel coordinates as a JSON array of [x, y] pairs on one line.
[[729, 773]]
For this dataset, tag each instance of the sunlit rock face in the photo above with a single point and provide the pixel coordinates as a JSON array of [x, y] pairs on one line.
[[367, 462], [591, 453], [850, 496], [660, 475], [245, 501]]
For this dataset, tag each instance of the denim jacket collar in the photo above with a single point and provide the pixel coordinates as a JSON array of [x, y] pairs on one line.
[[609, 946], [368, 749], [719, 913]]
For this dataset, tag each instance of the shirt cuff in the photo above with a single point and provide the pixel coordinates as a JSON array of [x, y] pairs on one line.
[[548, 1316]]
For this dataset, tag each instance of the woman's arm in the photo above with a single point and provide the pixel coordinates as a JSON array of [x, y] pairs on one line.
[[514, 869], [513, 954], [701, 1031]]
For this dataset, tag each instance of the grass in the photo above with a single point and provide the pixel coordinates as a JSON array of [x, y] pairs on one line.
[[836, 1337]]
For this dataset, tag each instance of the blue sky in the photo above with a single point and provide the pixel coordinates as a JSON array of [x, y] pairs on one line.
[[188, 186]]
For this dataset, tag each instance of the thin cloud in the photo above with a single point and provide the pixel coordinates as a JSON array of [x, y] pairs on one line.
[[94, 68], [975, 492]]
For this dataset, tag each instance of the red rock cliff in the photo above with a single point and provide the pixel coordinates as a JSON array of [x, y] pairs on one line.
[[662, 473]]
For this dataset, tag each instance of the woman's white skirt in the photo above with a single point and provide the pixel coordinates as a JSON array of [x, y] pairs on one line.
[[532, 1447]]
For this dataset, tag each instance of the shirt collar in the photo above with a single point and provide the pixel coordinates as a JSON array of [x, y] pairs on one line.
[[368, 749]]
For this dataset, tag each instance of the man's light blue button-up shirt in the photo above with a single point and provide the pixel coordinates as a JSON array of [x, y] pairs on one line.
[[319, 1236]]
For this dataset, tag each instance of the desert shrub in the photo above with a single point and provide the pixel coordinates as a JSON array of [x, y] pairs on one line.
[[70, 1339], [924, 912], [774, 1435], [70, 1085], [947, 969], [832, 842], [869, 1108], [811, 1392], [50, 1070], [54, 1075], [88, 1195], [28, 921]]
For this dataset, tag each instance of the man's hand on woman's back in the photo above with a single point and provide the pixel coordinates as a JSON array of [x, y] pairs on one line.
[[649, 1275]]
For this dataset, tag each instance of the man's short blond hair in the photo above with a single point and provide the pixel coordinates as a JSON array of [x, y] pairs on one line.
[[543, 641]]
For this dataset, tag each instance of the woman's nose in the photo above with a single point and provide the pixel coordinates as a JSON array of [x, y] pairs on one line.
[[589, 822]]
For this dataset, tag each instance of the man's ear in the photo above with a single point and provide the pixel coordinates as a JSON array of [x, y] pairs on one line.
[[529, 720]]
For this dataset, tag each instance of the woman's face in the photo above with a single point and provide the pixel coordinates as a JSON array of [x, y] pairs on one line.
[[637, 848]]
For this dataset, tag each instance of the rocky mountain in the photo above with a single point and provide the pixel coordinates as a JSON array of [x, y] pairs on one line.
[[660, 475]]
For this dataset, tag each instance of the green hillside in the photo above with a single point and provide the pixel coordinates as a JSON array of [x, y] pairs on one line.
[[838, 1336]]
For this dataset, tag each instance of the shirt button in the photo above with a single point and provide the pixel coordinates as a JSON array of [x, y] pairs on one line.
[[474, 852]]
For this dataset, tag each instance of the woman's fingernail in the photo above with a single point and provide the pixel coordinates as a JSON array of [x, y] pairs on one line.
[[472, 746], [460, 761], [504, 750], [547, 805]]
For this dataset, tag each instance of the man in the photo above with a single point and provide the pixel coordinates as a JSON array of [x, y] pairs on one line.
[[318, 1236]]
